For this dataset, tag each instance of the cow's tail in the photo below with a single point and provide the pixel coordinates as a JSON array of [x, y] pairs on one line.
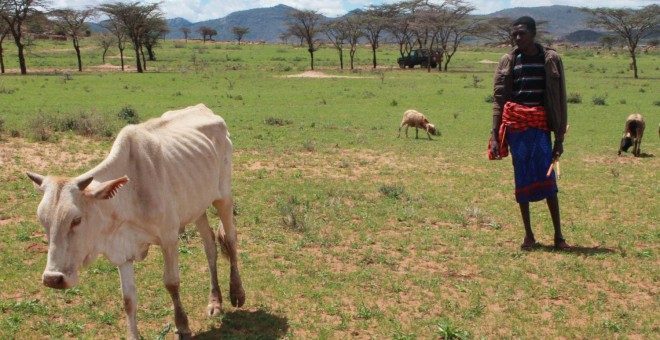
[[224, 246]]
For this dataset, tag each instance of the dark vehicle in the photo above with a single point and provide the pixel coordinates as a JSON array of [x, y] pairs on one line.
[[420, 57]]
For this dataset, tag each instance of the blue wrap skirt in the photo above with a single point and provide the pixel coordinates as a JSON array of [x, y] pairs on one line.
[[531, 153]]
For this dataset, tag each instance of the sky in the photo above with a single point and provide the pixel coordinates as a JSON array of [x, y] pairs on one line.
[[201, 10]]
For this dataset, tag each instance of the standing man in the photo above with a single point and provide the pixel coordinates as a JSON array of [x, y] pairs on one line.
[[530, 101]]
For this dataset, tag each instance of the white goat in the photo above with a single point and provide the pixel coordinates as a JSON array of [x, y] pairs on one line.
[[632, 134], [412, 118]]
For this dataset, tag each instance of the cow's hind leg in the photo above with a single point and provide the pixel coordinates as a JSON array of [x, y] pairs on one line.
[[172, 283], [215, 297], [227, 240]]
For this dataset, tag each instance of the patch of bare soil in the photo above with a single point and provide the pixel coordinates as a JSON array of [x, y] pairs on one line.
[[88, 48], [486, 61], [109, 67], [316, 74], [18, 155], [344, 164]]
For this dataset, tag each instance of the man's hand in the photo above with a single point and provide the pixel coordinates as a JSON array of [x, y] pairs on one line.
[[494, 145], [557, 150]]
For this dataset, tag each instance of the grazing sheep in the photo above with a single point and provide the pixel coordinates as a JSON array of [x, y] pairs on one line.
[[412, 118], [632, 134]]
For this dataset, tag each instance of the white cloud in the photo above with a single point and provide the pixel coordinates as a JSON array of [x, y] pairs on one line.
[[200, 10], [584, 3]]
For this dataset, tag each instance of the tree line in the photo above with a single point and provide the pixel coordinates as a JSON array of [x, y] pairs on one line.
[[444, 25], [134, 24], [412, 24]]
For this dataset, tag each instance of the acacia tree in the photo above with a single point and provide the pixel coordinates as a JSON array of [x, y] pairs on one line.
[[117, 29], [374, 22], [156, 29], [608, 41], [134, 19], [4, 31], [498, 30], [72, 23], [306, 23], [239, 32], [455, 25], [428, 24], [185, 31], [105, 41], [631, 25], [206, 31], [353, 33], [400, 26], [337, 33], [15, 13]]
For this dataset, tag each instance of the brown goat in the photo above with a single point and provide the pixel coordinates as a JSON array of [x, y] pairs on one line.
[[632, 134], [412, 118]]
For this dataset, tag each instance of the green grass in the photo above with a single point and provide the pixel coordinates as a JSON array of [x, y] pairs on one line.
[[346, 230]]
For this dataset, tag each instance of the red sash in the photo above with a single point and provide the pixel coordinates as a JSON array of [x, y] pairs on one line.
[[518, 118]]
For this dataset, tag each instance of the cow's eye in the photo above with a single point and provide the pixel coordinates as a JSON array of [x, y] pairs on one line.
[[76, 221]]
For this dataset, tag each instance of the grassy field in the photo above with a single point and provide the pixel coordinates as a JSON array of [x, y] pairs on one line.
[[345, 230]]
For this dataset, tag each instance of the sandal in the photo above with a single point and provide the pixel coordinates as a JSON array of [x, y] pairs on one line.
[[528, 244], [561, 244]]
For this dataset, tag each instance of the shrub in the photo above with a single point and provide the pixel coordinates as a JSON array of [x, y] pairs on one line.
[[294, 214], [449, 332], [396, 191], [598, 100], [277, 121], [93, 124], [6, 90], [129, 115], [308, 145], [39, 128], [574, 98], [394, 102], [489, 98], [656, 103]]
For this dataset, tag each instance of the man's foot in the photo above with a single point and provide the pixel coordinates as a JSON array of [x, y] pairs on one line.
[[528, 244], [561, 244]]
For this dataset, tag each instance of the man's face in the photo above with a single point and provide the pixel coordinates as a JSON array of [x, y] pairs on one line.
[[522, 36]]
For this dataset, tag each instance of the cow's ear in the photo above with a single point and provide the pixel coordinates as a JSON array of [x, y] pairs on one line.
[[37, 179], [83, 183], [109, 189]]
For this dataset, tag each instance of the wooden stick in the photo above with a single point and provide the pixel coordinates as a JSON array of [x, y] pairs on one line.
[[558, 170], [547, 174]]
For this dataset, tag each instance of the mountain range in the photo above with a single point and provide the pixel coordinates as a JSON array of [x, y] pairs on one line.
[[267, 24]]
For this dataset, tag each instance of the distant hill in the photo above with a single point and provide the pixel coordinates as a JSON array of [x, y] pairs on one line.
[[264, 23], [583, 35], [269, 23], [562, 20]]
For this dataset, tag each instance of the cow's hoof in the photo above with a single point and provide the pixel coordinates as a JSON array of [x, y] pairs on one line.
[[237, 296], [214, 309], [187, 335]]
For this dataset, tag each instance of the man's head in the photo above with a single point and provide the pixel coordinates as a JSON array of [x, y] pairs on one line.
[[523, 32]]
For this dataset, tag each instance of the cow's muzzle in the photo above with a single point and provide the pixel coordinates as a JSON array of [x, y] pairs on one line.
[[55, 280]]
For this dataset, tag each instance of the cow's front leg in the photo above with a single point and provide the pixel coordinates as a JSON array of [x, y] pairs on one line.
[[172, 282], [127, 276]]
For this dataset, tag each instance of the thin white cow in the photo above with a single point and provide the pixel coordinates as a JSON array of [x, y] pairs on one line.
[[178, 165]]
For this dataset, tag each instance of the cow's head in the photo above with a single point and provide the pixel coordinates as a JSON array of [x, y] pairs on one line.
[[430, 128], [70, 213], [626, 142]]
